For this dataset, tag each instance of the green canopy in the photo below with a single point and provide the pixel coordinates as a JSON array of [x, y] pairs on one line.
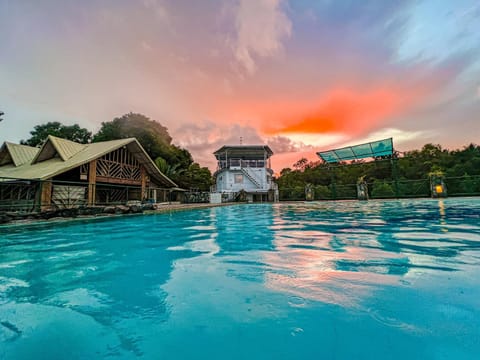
[[369, 150]]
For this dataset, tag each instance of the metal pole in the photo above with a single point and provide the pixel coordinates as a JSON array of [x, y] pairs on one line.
[[395, 177]]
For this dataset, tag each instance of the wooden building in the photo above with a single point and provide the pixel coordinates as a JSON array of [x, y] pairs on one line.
[[63, 173]]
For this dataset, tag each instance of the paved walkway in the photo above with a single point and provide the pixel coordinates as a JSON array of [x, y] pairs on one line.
[[166, 207], [160, 208]]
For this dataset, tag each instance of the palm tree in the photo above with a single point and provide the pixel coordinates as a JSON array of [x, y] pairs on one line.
[[168, 169]]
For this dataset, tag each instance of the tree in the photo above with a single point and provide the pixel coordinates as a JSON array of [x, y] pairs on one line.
[[70, 132], [301, 164], [410, 177], [195, 177], [285, 171], [172, 160], [152, 135], [169, 170], [381, 189]]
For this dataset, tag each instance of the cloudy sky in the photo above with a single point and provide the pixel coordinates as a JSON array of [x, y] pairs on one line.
[[298, 75]]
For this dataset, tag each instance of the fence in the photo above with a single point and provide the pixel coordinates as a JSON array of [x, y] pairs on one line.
[[26, 195], [18, 195], [384, 189], [195, 197]]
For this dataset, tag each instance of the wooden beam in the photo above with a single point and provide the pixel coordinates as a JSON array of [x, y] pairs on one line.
[[144, 182], [112, 180], [92, 180], [45, 195]]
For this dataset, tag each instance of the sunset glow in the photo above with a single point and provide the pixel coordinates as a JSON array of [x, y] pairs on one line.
[[300, 76]]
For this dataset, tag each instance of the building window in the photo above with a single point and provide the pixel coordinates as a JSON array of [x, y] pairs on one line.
[[238, 178]]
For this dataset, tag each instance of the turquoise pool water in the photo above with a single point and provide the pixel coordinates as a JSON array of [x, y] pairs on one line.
[[340, 280]]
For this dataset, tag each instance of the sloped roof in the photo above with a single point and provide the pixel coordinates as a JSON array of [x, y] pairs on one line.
[[16, 154], [54, 145], [48, 168]]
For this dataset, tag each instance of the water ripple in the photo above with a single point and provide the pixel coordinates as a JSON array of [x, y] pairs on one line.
[[147, 285]]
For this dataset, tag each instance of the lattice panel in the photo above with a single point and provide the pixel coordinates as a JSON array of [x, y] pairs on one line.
[[84, 172], [111, 196], [68, 196], [121, 156], [119, 164]]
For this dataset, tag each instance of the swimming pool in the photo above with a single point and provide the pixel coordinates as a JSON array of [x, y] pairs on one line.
[[336, 280]]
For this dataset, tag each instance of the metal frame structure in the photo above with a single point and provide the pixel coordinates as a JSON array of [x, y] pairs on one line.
[[371, 150]]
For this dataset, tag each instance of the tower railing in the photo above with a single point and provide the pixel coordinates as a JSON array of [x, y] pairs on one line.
[[241, 163]]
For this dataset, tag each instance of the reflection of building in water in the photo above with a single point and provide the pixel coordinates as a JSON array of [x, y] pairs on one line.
[[227, 274], [244, 228]]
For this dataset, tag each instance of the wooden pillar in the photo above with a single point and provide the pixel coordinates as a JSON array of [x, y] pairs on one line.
[[45, 195], [143, 174], [92, 181]]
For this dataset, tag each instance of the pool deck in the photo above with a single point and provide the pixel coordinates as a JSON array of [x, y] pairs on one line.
[[159, 209], [168, 207]]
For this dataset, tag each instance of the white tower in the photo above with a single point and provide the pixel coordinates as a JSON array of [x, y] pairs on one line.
[[244, 170]]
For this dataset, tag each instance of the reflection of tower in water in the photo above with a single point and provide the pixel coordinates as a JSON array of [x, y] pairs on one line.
[[244, 228]]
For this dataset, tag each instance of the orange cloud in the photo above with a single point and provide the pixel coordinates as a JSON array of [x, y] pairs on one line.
[[345, 110]]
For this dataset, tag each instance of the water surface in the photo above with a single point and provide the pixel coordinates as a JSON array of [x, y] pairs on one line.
[[335, 280]]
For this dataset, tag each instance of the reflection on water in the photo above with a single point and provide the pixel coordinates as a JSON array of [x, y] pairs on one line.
[[340, 252], [390, 279]]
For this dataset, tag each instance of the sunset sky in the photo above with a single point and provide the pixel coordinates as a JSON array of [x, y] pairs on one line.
[[298, 75]]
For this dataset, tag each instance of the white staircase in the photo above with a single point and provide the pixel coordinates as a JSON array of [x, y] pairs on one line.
[[252, 177]]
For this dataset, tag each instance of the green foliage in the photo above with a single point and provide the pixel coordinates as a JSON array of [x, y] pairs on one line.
[[381, 189], [348, 191], [162, 165], [70, 132], [153, 136], [296, 193], [467, 185], [301, 164], [174, 161], [168, 169], [194, 177], [411, 171], [322, 192], [413, 188]]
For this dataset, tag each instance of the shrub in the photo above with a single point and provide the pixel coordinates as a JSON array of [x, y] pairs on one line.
[[382, 189]]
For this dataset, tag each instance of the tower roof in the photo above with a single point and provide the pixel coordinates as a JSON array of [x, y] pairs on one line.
[[246, 151]]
